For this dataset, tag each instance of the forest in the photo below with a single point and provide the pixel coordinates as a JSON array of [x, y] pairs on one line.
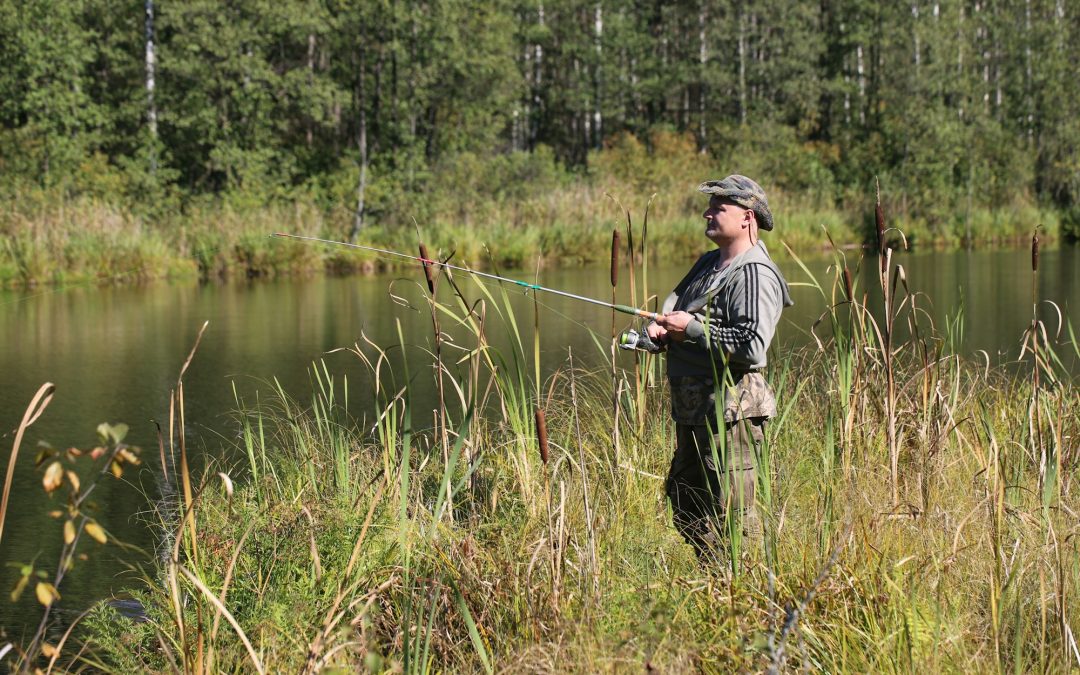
[[377, 114]]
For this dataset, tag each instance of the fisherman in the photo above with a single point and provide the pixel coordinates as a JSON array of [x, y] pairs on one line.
[[716, 327]]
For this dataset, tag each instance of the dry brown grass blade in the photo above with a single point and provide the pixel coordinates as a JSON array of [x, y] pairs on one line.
[[314, 547], [194, 347], [33, 412], [161, 451], [616, 244]]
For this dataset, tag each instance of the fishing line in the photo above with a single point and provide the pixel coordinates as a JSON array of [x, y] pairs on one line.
[[625, 309], [488, 283], [499, 283]]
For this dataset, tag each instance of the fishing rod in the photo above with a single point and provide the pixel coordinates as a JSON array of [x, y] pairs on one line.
[[625, 309]]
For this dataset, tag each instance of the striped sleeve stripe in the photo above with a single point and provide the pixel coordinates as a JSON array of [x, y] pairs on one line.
[[731, 337]]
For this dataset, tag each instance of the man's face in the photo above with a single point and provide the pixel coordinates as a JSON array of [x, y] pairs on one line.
[[726, 221]]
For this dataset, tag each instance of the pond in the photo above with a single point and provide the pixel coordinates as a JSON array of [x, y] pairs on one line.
[[114, 354]]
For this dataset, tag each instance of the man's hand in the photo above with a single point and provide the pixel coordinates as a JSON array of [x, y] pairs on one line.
[[674, 325], [657, 333]]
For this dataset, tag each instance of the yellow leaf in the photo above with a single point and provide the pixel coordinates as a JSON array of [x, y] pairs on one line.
[[19, 586], [95, 531], [47, 650], [128, 456], [54, 477], [56, 514], [46, 593], [69, 532], [73, 479], [116, 469]]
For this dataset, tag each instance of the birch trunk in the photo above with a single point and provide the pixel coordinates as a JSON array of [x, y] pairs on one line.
[[742, 65], [960, 59], [538, 78], [915, 33], [151, 108], [361, 141], [598, 118], [860, 74], [703, 55], [309, 133], [1029, 75]]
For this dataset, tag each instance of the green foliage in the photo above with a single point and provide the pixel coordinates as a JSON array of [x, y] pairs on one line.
[[512, 115]]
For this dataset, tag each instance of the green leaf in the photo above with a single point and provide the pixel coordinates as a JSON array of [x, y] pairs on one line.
[[118, 432], [474, 634]]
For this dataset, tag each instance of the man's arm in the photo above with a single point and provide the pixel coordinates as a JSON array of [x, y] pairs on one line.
[[755, 300]]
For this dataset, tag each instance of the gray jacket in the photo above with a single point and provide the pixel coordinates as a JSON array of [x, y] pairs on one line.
[[736, 309]]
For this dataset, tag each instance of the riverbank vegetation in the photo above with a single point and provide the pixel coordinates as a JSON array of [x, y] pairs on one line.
[[919, 512], [144, 140]]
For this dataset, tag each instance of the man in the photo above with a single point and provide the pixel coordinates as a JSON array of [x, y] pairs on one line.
[[717, 325]]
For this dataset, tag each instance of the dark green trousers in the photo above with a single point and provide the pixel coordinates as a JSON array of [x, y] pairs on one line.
[[713, 476]]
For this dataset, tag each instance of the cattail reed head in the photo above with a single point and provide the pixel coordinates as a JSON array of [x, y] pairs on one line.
[[848, 287], [616, 244], [541, 434], [427, 268], [1035, 251]]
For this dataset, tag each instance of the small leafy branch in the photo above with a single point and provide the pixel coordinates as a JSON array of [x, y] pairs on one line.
[[60, 474]]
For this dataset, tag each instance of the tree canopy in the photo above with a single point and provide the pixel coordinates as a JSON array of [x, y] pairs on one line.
[[154, 100]]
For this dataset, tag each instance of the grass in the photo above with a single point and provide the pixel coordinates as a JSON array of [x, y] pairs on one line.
[[487, 211], [919, 516], [969, 572]]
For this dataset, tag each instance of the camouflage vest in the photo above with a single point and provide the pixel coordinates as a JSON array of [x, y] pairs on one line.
[[693, 398]]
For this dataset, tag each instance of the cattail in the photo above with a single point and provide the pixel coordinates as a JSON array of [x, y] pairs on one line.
[[616, 244], [1035, 251], [848, 287], [427, 268], [541, 434]]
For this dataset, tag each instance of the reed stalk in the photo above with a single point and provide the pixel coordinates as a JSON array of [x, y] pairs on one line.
[[616, 247], [887, 295], [442, 435], [1034, 420], [37, 406], [644, 375]]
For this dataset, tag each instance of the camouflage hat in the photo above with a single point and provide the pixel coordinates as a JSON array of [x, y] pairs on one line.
[[744, 192]]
